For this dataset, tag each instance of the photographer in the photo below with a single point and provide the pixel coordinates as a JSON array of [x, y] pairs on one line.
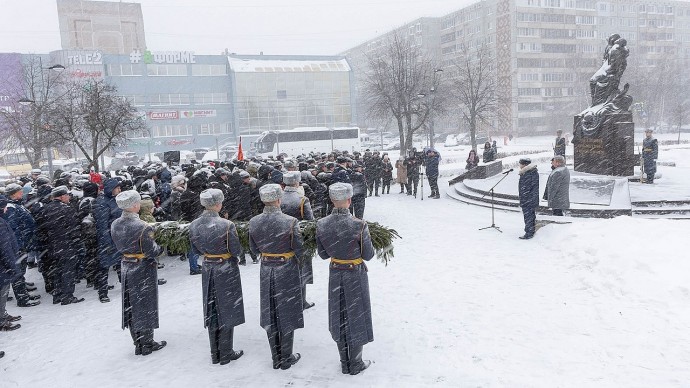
[[412, 163], [431, 163]]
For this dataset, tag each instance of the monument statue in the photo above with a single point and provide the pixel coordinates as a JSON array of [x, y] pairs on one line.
[[603, 133]]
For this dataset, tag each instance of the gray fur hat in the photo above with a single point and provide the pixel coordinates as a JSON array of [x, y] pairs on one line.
[[340, 191], [270, 192], [59, 191], [211, 197], [292, 177], [127, 199]]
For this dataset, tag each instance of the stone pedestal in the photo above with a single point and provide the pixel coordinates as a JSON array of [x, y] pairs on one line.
[[482, 171], [608, 150]]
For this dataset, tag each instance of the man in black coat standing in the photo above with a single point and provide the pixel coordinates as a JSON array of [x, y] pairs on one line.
[[191, 209], [138, 250], [528, 189], [215, 240], [9, 271], [345, 241], [64, 241], [432, 161]]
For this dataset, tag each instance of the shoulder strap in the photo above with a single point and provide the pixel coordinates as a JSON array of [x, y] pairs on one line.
[[227, 237], [361, 238], [301, 206]]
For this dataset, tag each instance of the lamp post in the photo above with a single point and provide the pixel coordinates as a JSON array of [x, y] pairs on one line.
[[432, 92], [27, 101]]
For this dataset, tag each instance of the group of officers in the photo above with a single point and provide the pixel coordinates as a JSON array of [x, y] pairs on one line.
[[273, 235]]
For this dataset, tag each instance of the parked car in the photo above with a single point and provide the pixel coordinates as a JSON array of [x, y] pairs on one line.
[[451, 141], [128, 158], [199, 152], [464, 139]]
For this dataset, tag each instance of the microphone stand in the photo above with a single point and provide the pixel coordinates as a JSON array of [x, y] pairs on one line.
[[493, 209]]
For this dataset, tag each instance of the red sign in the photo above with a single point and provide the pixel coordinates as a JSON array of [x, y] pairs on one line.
[[169, 115]]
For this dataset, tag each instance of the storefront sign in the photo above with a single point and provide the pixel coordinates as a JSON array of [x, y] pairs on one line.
[[168, 115], [85, 58], [79, 73], [147, 56], [189, 114]]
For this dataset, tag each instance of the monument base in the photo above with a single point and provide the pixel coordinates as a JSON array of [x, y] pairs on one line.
[[608, 150]]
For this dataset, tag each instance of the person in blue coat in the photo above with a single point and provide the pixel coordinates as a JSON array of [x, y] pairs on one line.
[[105, 211], [528, 189], [431, 162], [9, 272]]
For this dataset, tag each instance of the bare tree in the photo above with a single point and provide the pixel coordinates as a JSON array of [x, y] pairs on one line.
[[474, 88], [26, 120], [392, 86], [95, 119]]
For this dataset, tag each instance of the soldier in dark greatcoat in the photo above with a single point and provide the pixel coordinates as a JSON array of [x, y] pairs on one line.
[[63, 232], [297, 205], [215, 240], [105, 212], [650, 152], [134, 240], [277, 237], [345, 240]]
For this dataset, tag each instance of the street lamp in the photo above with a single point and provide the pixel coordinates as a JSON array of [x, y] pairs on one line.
[[432, 91]]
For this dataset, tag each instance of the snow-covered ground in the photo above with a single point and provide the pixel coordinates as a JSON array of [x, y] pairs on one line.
[[597, 303]]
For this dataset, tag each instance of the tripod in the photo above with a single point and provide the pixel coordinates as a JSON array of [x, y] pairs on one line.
[[422, 179], [493, 209]]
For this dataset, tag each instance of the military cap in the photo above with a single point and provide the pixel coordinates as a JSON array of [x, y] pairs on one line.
[[59, 191], [340, 191], [244, 174], [648, 130], [290, 164], [292, 177], [12, 188], [127, 199], [211, 197], [36, 171], [270, 192], [42, 180], [341, 159], [525, 161]]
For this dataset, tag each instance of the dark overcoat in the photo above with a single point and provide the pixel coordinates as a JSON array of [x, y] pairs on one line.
[[22, 223], [105, 212], [296, 205], [131, 235], [650, 153], [558, 188], [280, 288], [528, 186], [63, 232], [344, 237], [210, 234], [9, 271]]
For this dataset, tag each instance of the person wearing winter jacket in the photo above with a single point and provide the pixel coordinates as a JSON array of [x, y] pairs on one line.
[[557, 191], [431, 162], [386, 174], [105, 212], [191, 210], [9, 272], [89, 235], [359, 191], [472, 160], [401, 174], [528, 190]]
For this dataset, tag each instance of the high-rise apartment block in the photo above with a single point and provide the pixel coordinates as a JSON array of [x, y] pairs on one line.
[[546, 50]]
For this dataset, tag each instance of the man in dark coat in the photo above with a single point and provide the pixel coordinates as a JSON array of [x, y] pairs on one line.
[[105, 211], [432, 160], [9, 271], [297, 205], [63, 241], [89, 234], [359, 187], [277, 237], [138, 251], [412, 164], [22, 223], [341, 173], [191, 209], [559, 146], [528, 190], [215, 239], [345, 241], [373, 168], [650, 153]]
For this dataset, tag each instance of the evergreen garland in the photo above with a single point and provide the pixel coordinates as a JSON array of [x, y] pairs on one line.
[[174, 236]]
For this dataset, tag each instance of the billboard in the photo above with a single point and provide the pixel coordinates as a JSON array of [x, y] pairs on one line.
[[11, 85]]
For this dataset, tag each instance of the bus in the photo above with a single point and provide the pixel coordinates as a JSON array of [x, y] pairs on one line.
[[304, 140]]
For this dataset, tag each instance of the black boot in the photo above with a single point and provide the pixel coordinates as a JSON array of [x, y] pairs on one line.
[[274, 343], [376, 192], [287, 359], [148, 344], [356, 363], [213, 339], [305, 305], [344, 359], [227, 354]]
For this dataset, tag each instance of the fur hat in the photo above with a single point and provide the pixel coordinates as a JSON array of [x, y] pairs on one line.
[[127, 199], [211, 197]]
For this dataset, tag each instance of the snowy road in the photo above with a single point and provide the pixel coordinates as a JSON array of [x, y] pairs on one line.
[[599, 303]]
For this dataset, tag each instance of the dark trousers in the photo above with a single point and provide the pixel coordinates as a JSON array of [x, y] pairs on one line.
[[350, 356], [358, 203], [402, 188], [558, 212], [89, 262], [412, 183], [47, 267], [530, 220], [19, 285], [433, 184], [101, 280], [386, 185], [220, 337], [374, 184], [65, 275]]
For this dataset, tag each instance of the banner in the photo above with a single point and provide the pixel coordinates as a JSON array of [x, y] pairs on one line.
[[190, 114]]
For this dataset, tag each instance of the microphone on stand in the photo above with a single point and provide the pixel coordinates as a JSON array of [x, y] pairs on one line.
[[507, 172]]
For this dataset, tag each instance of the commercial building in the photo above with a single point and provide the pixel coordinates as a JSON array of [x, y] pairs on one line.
[[546, 50]]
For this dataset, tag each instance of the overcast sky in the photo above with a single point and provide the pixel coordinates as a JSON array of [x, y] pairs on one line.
[[241, 26]]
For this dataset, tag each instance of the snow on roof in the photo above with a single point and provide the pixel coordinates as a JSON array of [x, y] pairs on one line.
[[286, 66]]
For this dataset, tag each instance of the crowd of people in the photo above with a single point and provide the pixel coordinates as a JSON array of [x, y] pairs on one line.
[[64, 226]]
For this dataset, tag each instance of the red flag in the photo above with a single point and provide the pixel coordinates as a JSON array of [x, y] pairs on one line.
[[240, 155]]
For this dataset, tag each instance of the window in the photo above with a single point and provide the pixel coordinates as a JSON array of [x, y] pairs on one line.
[[529, 47], [169, 99], [171, 130], [552, 3], [213, 128], [588, 20], [210, 70], [445, 38], [558, 48], [529, 92], [529, 77], [135, 99], [125, 69], [210, 98], [166, 70], [528, 32]]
